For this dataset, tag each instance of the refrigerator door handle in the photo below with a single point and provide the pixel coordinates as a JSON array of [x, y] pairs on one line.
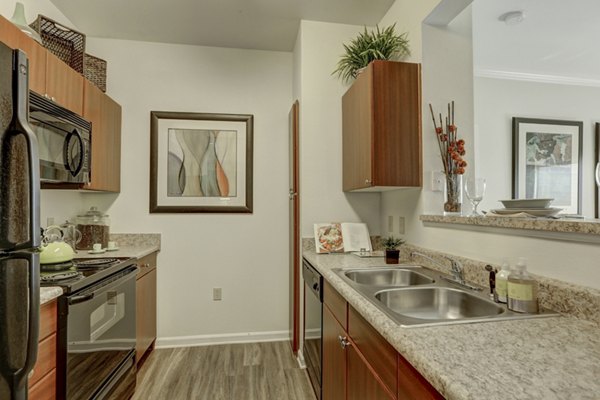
[[18, 380], [21, 102]]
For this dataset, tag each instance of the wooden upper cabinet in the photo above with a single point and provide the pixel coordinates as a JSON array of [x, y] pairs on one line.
[[48, 75], [381, 127], [63, 85], [105, 115], [9, 33], [36, 54]]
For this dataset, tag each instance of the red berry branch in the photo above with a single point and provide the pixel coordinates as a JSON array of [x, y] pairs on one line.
[[451, 148]]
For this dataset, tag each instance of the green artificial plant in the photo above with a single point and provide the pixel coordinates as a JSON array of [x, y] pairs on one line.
[[378, 44]]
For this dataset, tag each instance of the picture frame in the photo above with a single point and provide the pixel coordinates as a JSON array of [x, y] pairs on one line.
[[547, 161], [597, 172], [201, 162]]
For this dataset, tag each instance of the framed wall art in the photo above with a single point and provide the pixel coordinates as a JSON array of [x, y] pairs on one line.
[[200, 163], [597, 172], [547, 161]]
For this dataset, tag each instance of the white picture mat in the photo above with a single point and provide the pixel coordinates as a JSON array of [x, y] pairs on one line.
[[523, 129], [162, 158]]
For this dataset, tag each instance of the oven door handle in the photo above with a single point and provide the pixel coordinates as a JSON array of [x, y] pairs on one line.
[[81, 298]]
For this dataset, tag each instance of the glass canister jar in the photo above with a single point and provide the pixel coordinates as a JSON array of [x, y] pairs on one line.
[[94, 226]]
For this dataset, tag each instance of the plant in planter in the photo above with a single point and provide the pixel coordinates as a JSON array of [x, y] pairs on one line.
[[384, 44], [392, 253]]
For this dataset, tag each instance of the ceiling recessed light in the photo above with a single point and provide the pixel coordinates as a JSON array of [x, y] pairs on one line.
[[512, 17]]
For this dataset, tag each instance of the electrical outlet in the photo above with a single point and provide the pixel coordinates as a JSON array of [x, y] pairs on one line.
[[49, 221], [401, 225], [217, 294], [437, 181], [390, 223]]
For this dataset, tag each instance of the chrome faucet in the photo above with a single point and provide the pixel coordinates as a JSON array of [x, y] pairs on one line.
[[456, 268]]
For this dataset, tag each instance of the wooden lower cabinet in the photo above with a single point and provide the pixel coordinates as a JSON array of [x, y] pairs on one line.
[[42, 380], [145, 307], [359, 364], [362, 382], [334, 358]]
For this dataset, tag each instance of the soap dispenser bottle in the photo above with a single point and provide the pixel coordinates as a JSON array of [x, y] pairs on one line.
[[502, 282], [522, 290]]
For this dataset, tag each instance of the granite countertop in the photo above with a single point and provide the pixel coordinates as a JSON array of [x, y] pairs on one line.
[[47, 294], [133, 251], [546, 358]]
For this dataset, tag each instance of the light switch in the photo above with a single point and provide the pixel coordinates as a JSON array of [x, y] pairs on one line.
[[217, 293], [401, 225], [390, 223]]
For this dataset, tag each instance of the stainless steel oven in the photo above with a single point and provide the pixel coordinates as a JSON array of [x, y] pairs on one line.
[[63, 141], [97, 339], [313, 322]]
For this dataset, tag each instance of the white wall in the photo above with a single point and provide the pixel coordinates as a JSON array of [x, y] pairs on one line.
[[321, 195], [498, 100], [246, 255], [447, 74], [33, 8]]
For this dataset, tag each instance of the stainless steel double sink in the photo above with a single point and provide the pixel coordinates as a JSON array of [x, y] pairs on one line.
[[415, 296]]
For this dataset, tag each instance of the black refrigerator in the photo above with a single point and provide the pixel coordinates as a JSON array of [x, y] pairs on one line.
[[19, 229]]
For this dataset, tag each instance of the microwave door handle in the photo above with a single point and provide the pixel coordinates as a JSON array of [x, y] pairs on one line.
[[21, 101]]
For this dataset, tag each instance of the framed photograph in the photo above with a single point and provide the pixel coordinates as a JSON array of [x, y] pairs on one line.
[[200, 163], [547, 161]]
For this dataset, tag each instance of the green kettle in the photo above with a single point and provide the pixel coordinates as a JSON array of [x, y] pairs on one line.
[[54, 249]]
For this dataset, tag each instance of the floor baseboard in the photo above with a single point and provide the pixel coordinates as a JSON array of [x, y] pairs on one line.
[[208, 340]]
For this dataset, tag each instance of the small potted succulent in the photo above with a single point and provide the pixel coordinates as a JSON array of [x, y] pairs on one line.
[[392, 253]]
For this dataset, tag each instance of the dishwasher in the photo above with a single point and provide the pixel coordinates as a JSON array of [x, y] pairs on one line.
[[313, 322]]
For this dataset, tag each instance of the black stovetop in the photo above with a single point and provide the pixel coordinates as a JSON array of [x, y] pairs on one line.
[[85, 271]]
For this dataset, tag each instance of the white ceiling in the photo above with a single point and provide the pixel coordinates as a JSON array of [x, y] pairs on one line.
[[558, 38], [250, 24]]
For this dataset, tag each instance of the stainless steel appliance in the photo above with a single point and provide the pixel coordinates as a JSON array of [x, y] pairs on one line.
[[19, 229], [96, 332], [64, 141], [313, 322]]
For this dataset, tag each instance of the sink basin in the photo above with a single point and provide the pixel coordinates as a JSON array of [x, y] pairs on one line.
[[388, 277], [437, 303]]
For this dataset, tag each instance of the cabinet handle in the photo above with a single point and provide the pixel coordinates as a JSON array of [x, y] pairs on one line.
[[146, 265], [344, 342], [367, 181]]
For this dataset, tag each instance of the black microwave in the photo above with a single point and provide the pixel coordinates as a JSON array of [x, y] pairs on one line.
[[63, 141]]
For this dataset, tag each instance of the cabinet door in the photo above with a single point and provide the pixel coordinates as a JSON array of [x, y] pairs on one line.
[[412, 385], [112, 169], [36, 54], [145, 313], [362, 383], [334, 359], [9, 33], [64, 85], [357, 128], [105, 115]]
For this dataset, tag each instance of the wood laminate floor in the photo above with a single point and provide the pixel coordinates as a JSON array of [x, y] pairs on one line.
[[250, 371]]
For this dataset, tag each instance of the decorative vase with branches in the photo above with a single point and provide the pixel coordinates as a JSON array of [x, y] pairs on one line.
[[452, 150]]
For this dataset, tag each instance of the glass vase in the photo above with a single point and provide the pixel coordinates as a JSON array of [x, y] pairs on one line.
[[453, 194]]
